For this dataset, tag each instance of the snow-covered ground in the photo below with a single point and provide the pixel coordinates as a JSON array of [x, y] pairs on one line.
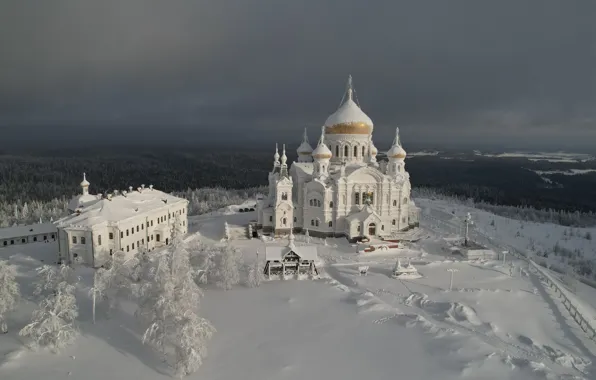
[[344, 326]]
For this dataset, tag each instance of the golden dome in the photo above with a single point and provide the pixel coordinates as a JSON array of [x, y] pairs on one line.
[[349, 119]]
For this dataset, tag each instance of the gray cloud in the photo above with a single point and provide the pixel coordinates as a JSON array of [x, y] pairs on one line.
[[443, 70]]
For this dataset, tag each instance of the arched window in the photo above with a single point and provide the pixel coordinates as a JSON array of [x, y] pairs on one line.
[[284, 196], [405, 200], [331, 204], [317, 222], [74, 240], [312, 222], [310, 202], [395, 202], [363, 151], [318, 203], [284, 221], [98, 239], [83, 241], [371, 196], [330, 224], [346, 151], [358, 228], [337, 151], [357, 198], [382, 227], [355, 151], [393, 222]]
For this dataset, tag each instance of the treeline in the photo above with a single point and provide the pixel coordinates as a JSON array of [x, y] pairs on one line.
[[525, 213]]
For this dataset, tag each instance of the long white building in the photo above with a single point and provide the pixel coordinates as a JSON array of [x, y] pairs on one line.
[[128, 221], [339, 188]]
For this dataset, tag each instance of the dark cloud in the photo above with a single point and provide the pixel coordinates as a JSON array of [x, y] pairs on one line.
[[443, 70]]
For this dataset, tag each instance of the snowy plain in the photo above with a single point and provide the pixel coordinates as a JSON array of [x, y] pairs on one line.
[[491, 325]]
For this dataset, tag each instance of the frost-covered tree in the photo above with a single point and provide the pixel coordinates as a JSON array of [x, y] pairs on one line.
[[250, 231], [168, 305], [255, 273], [53, 324], [226, 231], [9, 292], [48, 278], [111, 282], [227, 270]]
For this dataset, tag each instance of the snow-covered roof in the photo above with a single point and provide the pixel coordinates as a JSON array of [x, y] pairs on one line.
[[348, 113], [81, 201], [306, 252], [32, 229], [120, 207], [363, 214], [322, 151], [304, 148]]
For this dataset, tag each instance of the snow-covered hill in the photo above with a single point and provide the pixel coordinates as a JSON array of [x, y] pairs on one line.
[[499, 321]]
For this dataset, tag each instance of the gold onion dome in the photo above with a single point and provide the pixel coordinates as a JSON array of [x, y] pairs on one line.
[[396, 150], [322, 151], [349, 119]]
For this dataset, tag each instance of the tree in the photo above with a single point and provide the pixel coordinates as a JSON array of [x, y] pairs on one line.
[[53, 322], [49, 277], [9, 292], [112, 282], [226, 231], [168, 306], [307, 236], [227, 269], [255, 274]]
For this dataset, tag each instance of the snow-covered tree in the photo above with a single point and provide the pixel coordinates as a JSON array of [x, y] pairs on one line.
[[255, 273], [9, 292], [307, 236], [226, 231], [49, 277], [168, 303], [111, 282], [53, 322], [250, 231], [227, 270], [25, 211]]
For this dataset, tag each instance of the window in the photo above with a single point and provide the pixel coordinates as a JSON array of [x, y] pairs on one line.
[[337, 151], [5, 242], [184, 223], [331, 204], [357, 198], [395, 202], [74, 240], [142, 226], [137, 228], [83, 240], [12, 242], [284, 221], [152, 223], [127, 248], [330, 224], [132, 231], [133, 245], [151, 237], [405, 200], [157, 237], [310, 202], [358, 228], [393, 222], [98, 239], [317, 222], [363, 151], [403, 220], [34, 238], [382, 227], [312, 222], [45, 237], [295, 219], [371, 196], [126, 232], [270, 219], [53, 236], [284, 196], [355, 151], [22, 240], [143, 241], [111, 236], [346, 151]]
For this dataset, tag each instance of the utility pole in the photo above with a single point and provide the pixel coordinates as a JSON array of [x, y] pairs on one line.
[[452, 270]]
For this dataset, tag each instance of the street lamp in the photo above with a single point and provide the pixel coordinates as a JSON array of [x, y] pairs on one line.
[[452, 270]]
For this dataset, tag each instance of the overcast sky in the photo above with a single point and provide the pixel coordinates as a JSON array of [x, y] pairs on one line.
[[477, 71]]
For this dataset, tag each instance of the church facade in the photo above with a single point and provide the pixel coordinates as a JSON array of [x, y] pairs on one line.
[[339, 188]]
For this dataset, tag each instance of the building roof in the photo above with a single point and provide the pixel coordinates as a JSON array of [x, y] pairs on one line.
[[81, 201], [306, 252], [32, 229], [119, 208], [348, 113], [363, 214]]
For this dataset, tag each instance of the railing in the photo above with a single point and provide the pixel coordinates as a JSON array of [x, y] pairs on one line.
[[580, 314]]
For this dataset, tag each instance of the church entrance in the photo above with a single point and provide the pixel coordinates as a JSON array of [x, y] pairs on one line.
[[372, 229]]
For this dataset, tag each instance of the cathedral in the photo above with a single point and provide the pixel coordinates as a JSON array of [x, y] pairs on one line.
[[339, 188]]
